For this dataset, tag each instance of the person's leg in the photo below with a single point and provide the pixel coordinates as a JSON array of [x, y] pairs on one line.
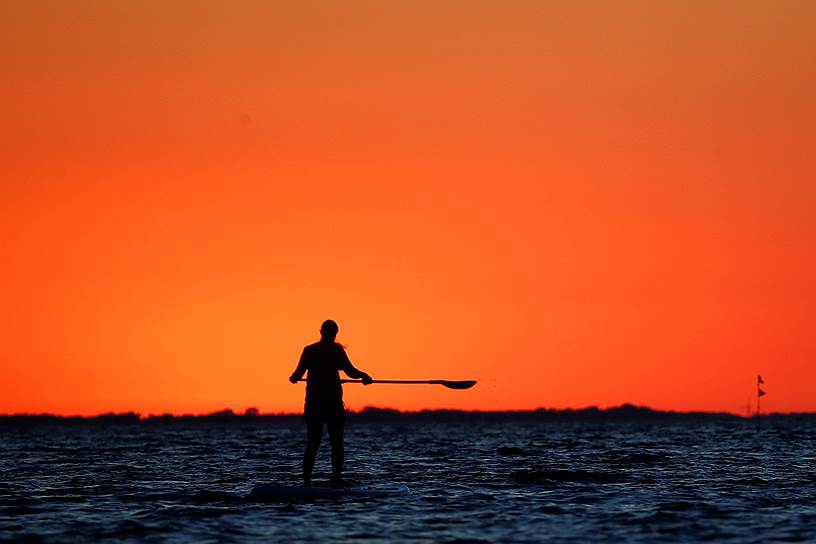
[[336, 425], [314, 433]]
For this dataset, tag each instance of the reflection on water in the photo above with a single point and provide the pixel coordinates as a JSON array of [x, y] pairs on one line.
[[471, 481]]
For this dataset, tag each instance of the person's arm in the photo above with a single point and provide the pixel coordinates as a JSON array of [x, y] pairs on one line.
[[353, 372], [300, 370]]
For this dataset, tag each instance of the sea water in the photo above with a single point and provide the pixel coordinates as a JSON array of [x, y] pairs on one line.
[[472, 480]]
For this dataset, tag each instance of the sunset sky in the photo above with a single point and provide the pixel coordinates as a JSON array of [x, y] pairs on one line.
[[575, 203]]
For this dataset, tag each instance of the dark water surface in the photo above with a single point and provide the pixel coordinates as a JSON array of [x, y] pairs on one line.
[[472, 482]]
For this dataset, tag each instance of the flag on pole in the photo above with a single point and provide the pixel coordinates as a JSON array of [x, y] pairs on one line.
[[760, 392], [759, 379]]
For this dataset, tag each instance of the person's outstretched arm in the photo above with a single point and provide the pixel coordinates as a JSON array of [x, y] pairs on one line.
[[353, 372], [300, 370]]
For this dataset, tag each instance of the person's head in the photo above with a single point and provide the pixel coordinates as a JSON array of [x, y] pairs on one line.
[[328, 330]]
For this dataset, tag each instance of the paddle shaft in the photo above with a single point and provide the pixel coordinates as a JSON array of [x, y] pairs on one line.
[[465, 384], [433, 382]]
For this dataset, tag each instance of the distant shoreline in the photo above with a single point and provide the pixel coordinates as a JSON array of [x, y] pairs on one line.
[[626, 412]]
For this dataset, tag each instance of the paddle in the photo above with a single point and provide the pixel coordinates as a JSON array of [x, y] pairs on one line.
[[463, 384]]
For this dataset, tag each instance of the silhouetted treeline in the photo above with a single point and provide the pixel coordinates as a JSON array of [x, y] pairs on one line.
[[626, 412]]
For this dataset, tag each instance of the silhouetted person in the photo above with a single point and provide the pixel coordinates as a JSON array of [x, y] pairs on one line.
[[324, 397]]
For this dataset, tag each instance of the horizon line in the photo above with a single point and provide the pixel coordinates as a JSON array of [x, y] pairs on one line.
[[371, 410]]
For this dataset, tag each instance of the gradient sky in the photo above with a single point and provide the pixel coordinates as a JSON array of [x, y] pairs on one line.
[[576, 203]]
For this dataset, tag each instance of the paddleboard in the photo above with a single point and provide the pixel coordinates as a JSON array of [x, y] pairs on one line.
[[271, 492]]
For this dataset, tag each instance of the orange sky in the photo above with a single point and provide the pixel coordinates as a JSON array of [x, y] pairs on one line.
[[574, 203]]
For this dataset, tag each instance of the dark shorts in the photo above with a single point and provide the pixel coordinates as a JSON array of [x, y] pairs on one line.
[[332, 417], [331, 412]]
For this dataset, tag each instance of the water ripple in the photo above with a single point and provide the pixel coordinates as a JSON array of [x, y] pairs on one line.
[[471, 482]]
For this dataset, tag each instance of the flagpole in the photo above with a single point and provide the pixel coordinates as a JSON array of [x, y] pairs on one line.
[[760, 393]]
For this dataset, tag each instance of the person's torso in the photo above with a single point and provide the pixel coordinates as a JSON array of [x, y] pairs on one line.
[[323, 363]]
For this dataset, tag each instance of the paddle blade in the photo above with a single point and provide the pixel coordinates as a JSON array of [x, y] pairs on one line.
[[465, 384]]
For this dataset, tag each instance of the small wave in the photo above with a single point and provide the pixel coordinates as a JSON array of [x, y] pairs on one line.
[[637, 458], [207, 496], [531, 476], [676, 506], [510, 450], [21, 510]]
